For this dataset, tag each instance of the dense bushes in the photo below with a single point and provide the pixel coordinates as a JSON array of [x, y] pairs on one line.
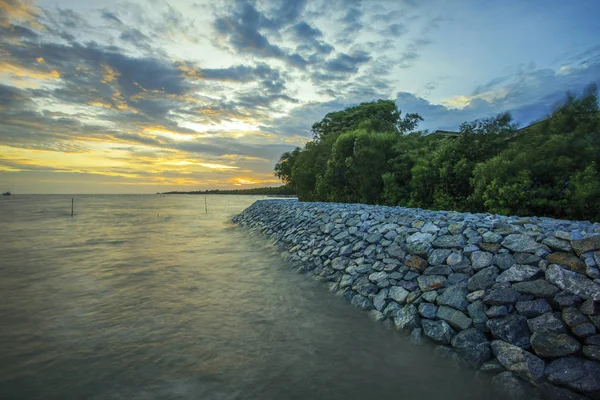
[[370, 154]]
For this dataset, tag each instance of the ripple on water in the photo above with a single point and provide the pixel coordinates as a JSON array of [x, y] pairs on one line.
[[146, 297]]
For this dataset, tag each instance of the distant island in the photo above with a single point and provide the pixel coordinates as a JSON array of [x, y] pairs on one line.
[[285, 190]]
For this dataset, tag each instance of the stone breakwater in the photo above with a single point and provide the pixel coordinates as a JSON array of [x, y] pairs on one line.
[[518, 297]]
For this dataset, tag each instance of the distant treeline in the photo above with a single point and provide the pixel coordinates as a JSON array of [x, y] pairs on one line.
[[369, 154], [285, 190]]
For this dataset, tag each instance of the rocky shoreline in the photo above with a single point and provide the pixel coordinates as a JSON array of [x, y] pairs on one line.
[[517, 297]]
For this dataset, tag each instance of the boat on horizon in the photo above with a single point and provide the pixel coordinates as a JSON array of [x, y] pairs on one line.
[[6, 194]]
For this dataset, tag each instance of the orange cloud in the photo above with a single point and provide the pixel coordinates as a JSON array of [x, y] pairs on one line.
[[19, 11], [109, 74], [20, 73]]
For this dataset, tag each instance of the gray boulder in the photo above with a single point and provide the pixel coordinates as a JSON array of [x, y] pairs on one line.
[[431, 282], [361, 302], [498, 297], [483, 279], [481, 259], [592, 352], [438, 256], [554, 344], [449, 241], [455, 297], [504, 260], [455, 318], [519, 361], [472, 347], [398, 294], [477, 312], [520, 273], [497, 311], [491, 237], [586, 245], [438, 331], [512, 329], [557, 244], [438, 270], [420, 249], [548, 323], [407, 317], [575, 373], [520, 243], [537, 288], [573, 282], [364, 287], [533, 308], [394, 250]]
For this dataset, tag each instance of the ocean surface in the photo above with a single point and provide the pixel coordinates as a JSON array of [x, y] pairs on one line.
[[150, 297]]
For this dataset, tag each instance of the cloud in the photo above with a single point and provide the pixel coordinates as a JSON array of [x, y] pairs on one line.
[[241, 29], [111, 17], [347, 63]]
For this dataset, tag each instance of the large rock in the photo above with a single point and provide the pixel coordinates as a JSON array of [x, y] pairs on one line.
[[477, 312], [438, 331], [491, 237], [586, 245], [398, 294], [407, 318], [481, 259], [533, 308], [575, 373], [419, 237], [519, 361], [567, 260], [438, 256], [364, 287], [379, 300], [573, 282], [395, 251], [438, 270], [420, 249], [557, 244], [512, 329], [431, 282], [553, 344], [520, 243], [592, 352], [578, 323], [546, 323], [537, 288], [504, 260], [361, 302], [428, 310], [455, 318], [472, 347], [499, 297], [455, 297], [415, 261], [520, 273], [483, 279], [450, 241]]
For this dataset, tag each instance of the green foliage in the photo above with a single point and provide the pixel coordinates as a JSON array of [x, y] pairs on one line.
[[369, 154], [283, 169]]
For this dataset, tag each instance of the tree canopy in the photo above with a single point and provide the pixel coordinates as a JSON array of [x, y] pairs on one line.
[[370, 154]]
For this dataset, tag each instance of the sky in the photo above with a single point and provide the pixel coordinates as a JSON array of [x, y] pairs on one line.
[[150, 96]]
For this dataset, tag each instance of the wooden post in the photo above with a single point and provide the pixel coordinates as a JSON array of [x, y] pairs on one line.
[[71, 206], [205, 206]]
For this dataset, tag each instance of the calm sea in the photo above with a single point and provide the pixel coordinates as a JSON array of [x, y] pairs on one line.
[[149, 297]]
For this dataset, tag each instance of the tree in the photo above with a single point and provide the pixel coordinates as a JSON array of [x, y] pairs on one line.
[[283, 169]]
